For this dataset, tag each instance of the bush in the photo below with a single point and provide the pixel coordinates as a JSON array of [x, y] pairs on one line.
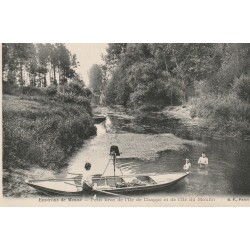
[[72, 98], [149, 108], [33, 91], [76, 89], [11, 88], [48, 133], [193, 112], [227, 113], [242, 87], [51, 90]]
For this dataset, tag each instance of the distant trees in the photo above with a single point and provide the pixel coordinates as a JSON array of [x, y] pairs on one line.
[[95, 78], [16, 58], [242, 87], [43, 54], [167, 74], [37, 61]]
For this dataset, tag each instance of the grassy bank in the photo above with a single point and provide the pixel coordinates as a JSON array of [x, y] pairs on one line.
[[218, 115], [39, 133], [224, 115]]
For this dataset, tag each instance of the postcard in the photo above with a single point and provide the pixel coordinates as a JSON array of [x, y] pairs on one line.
[[125, 124]]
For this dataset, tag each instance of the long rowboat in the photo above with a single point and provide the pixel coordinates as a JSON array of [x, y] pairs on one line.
[[111, 185], [107, 184]]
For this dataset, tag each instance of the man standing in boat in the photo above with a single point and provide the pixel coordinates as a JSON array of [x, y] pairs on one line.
[[203, 160]]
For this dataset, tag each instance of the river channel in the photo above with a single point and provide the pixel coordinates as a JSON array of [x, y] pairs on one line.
[[155, 143]]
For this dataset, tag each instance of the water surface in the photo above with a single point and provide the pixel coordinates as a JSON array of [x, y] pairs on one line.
[[153, 143]]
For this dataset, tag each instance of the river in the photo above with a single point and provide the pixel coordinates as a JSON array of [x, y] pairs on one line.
[[155, 143]]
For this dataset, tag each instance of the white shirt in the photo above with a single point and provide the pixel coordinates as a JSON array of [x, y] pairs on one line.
[[203, 160], [87, 177]]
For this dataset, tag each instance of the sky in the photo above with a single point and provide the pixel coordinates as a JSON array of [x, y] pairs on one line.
[[87, 54]]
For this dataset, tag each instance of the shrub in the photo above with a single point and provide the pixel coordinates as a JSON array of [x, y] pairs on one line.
[[149, 108], [226, 113], [43, 135], [51, 90], [11, 89], [33, 91], [242, 87], [193, 112], [72, 98]]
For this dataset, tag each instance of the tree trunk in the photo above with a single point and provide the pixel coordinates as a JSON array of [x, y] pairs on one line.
[[21, 74], [54, 71], [45, 81], [58, 84], [171, 97], [184, 95], [39, 80]]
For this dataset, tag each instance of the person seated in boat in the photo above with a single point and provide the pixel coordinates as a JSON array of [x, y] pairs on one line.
[[203, 160], [86, 175], [187, 165]]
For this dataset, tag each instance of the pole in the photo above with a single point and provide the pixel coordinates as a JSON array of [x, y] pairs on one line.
[[114, 158]]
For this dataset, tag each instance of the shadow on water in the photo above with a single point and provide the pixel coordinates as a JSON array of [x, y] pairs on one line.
[[156, 123]]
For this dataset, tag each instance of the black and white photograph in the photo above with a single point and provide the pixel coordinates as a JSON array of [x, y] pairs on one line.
[[126, 124]]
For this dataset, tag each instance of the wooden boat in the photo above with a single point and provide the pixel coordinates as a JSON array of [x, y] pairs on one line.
[[133, 183], [107, 184], [57, 187], [99, 118], [112, 185]]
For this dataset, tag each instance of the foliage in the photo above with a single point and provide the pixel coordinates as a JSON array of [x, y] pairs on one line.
[[41, 134], [158, 73], [215, 76], [34, 59], [149, 108], [224, 112], [51, 90], [95, 78], [242, 87]]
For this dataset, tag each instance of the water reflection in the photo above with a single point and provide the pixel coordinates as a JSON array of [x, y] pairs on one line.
[[229, 160]]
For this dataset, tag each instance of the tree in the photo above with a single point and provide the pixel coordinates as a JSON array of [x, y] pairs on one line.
[[33, 69], [34, 59], [173, 68], [95, 78], [43, 53], [16, 58], [64, 60], [114, 54], [23, 53], [54, 60], [242, 87], [8, 63]]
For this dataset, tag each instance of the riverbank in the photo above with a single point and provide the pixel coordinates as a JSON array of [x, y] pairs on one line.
[[40, 135], [201, 120], [183, 113], [213, 126]]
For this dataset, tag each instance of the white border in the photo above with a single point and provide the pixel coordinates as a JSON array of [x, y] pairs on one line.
[[124, 21]]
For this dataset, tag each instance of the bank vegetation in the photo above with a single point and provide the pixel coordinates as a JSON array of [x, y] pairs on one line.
[[213, 78]]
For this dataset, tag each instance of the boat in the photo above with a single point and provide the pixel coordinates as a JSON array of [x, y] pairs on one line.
[[111, 185], [99, 119], [133, 183], [107, 185]]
